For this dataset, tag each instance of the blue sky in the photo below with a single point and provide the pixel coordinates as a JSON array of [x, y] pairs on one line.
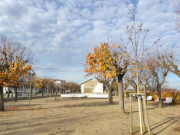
[[61, 32]]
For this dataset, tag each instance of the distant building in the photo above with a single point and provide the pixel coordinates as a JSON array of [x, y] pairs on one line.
[[60, 82], [92, 86]]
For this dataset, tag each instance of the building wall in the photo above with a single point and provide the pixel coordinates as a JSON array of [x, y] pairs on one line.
[[82, 88], [99, 88], [92, 86], [20, 90], [89, 86], [5, 89]]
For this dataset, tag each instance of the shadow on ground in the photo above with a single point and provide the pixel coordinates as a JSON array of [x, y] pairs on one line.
[[160, 125], [94, 104]]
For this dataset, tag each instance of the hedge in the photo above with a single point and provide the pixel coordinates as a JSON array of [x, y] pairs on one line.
[[174, 95]]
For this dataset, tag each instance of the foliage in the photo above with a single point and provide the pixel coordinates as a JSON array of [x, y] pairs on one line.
[[107, 61], [74, 87], [14, 62], [174, 95], [38, 83]]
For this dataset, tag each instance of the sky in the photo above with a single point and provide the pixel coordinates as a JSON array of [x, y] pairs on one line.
[[61, 32]]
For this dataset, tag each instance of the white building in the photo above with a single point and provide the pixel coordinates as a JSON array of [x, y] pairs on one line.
[[59, 82], [5, 90], [92, 86]]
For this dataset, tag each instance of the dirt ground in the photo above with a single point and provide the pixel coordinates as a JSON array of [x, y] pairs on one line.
[[82, 116]]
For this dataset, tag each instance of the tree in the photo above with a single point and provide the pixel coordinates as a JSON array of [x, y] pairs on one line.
[[169, 61], [13, 65], [131, 79], [20, 69], [109, 84], [109, 62], [74, 87], [22, 83], [43, 86], [155, 66], [136, 37], [177, 7], [52, 86], [49, 84]]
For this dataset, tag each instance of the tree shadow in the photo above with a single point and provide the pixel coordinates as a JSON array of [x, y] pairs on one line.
[[23, 107], [152, 108], [169, 120], [92, 104], [21, 98]]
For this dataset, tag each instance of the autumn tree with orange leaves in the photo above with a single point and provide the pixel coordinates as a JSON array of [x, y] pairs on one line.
[[14, 63], [108, 62], [20, 69]]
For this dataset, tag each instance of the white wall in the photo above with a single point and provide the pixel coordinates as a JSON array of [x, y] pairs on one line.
[[5, 89], [94, 85], [82, 88], [99, 88]]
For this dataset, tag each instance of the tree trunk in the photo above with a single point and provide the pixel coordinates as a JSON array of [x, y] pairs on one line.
[[55, 96], [42, 90], [34, 91], [8, 92], [23, 89], [1, 99], [51, 92], [30, 92], [47, 93], [159, 96], [110, 95], [120, 91], [116, 92], [15, 97], [135, 98], [145, 92]]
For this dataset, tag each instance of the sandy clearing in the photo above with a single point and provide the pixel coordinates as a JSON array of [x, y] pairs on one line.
[[78, 116]]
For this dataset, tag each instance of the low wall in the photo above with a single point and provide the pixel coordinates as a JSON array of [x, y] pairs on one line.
[[88, 95]]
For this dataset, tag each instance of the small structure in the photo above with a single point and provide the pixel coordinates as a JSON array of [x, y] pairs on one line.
[[92, 86], [149, 98], [168, 100], [5, 90]]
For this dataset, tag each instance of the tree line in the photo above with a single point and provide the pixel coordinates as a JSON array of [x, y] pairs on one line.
[[16, 72]]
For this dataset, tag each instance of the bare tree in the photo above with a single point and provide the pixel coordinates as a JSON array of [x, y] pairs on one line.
[[132, 80], [155, 66], [43, 86], [177, 8], [125, 85], [72, 86], [169, 61]]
